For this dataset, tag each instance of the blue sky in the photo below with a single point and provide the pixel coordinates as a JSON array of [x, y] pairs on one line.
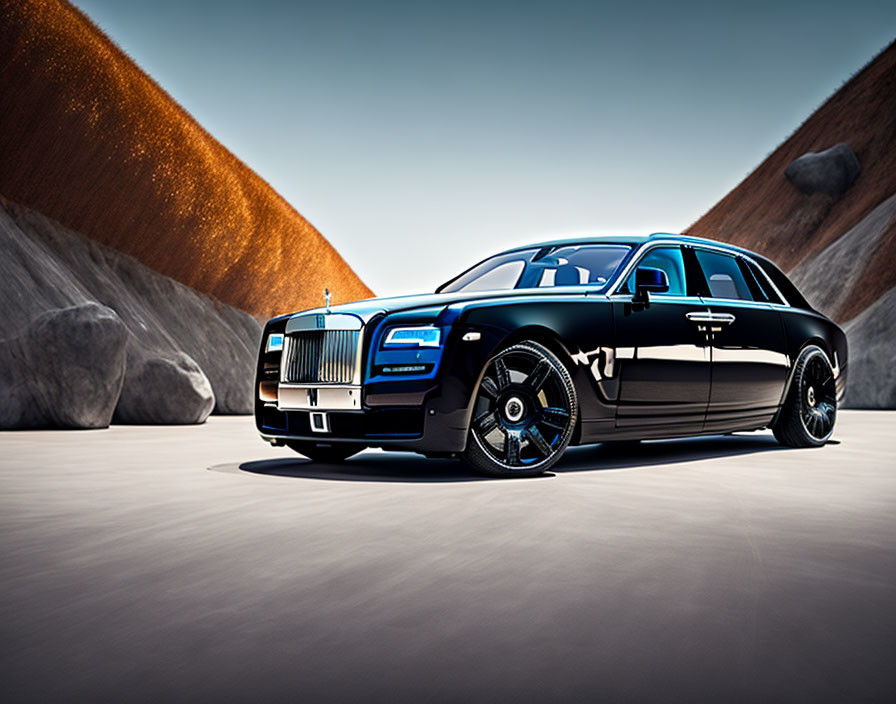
[[419, 137]]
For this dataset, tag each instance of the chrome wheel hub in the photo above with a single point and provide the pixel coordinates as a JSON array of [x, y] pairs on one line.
[[514, 409], [819, 397]]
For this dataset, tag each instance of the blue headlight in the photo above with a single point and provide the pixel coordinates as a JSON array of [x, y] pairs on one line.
[[275, 342], [413, 337]]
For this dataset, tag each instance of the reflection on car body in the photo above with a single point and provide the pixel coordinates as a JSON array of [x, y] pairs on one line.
[[559, 343]]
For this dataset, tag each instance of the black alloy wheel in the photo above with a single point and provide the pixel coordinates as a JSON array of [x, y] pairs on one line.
[[325, 452], [810, 411], [524, 413]]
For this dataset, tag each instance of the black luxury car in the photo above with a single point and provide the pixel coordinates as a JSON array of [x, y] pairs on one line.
[[566, 342]]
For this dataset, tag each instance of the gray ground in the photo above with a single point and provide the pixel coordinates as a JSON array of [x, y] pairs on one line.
[[185, 563]]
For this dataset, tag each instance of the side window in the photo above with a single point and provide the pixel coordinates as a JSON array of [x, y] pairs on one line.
[[504, 276], [762, 282], [576, 265], [564, 275], [723, 275], [670, 260]]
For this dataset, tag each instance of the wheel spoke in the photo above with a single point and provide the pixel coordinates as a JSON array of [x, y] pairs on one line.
[[512, 448], [552, 416], [537, 439], [486, 423], [502, 373], [539, 375], [489, 387]]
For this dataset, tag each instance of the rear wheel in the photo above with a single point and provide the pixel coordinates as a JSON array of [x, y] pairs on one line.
[[324, 452], [524, 413], [810, 410]]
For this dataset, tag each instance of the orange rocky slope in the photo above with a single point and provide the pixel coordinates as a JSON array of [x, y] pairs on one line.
[[89, 139]]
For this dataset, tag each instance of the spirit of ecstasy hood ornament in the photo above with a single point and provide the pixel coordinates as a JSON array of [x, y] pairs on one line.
[[327, 297]]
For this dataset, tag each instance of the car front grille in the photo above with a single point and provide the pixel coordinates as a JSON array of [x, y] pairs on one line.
[[321, 356]]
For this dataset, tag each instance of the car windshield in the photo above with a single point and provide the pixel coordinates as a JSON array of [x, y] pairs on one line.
[[560, 265]]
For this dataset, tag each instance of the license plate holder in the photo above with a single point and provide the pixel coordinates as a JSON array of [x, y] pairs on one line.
[[313, 397]]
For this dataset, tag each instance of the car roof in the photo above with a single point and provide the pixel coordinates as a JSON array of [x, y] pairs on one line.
[[635, 240]]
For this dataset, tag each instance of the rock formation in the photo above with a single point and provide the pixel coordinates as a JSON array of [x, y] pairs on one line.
[[195, 352], [166, 390], [831, 171], [64, 370], [872, 341], [828, 279]]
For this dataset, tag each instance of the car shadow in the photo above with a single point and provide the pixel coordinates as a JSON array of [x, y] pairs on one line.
[[655, 452], [368, 467], [408, 467]]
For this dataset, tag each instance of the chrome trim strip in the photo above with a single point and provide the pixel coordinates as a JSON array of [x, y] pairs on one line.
[[323, 321], [674, 353], [668, 353], [749, 356]]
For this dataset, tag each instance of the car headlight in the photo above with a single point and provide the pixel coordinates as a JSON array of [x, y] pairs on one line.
[[423, 336], [275, 342]]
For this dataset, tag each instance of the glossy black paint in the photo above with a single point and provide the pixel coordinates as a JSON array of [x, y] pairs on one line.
[[641, 368]]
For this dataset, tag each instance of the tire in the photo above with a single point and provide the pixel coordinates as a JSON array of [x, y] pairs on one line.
[[810, 410], [524, 413], [324, 452]]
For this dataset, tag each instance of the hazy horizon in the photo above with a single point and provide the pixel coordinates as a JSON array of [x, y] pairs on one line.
[[420, 137]]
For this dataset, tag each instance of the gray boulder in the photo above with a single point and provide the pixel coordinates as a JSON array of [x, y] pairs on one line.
[[831, 171], [65, 370], [871, 375], [44, 266], [165, 388]]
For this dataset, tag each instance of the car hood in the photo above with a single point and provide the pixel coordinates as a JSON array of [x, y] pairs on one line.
[[367, 309]]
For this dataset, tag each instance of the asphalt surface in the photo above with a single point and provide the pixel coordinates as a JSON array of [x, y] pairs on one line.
[[198, 564]]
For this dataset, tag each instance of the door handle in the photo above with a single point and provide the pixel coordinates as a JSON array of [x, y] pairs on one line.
[[700, 316]]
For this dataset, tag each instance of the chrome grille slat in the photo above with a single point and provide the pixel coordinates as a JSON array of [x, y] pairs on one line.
[[321, 356]]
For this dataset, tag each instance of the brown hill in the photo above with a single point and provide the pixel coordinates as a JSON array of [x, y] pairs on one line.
[[89, 139], [766, 213]]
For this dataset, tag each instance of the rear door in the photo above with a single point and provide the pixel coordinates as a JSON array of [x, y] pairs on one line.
[[748, 344], [662, 356]]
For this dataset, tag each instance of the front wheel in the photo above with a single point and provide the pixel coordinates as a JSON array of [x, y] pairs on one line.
[[523, 415], [324, 452], [808, 415]]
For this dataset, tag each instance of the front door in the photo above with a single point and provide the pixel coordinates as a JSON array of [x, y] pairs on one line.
[[662, 353]]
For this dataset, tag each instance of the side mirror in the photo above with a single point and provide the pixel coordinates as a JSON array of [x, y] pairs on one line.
[[648, 280]]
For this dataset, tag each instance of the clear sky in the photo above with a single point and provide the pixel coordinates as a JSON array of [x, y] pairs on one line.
[[420, 137]]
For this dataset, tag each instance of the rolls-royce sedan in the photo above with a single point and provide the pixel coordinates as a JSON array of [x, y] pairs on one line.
[[554, 344]]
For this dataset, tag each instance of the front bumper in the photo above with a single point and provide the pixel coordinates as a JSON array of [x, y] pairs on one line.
[[433, 426]]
